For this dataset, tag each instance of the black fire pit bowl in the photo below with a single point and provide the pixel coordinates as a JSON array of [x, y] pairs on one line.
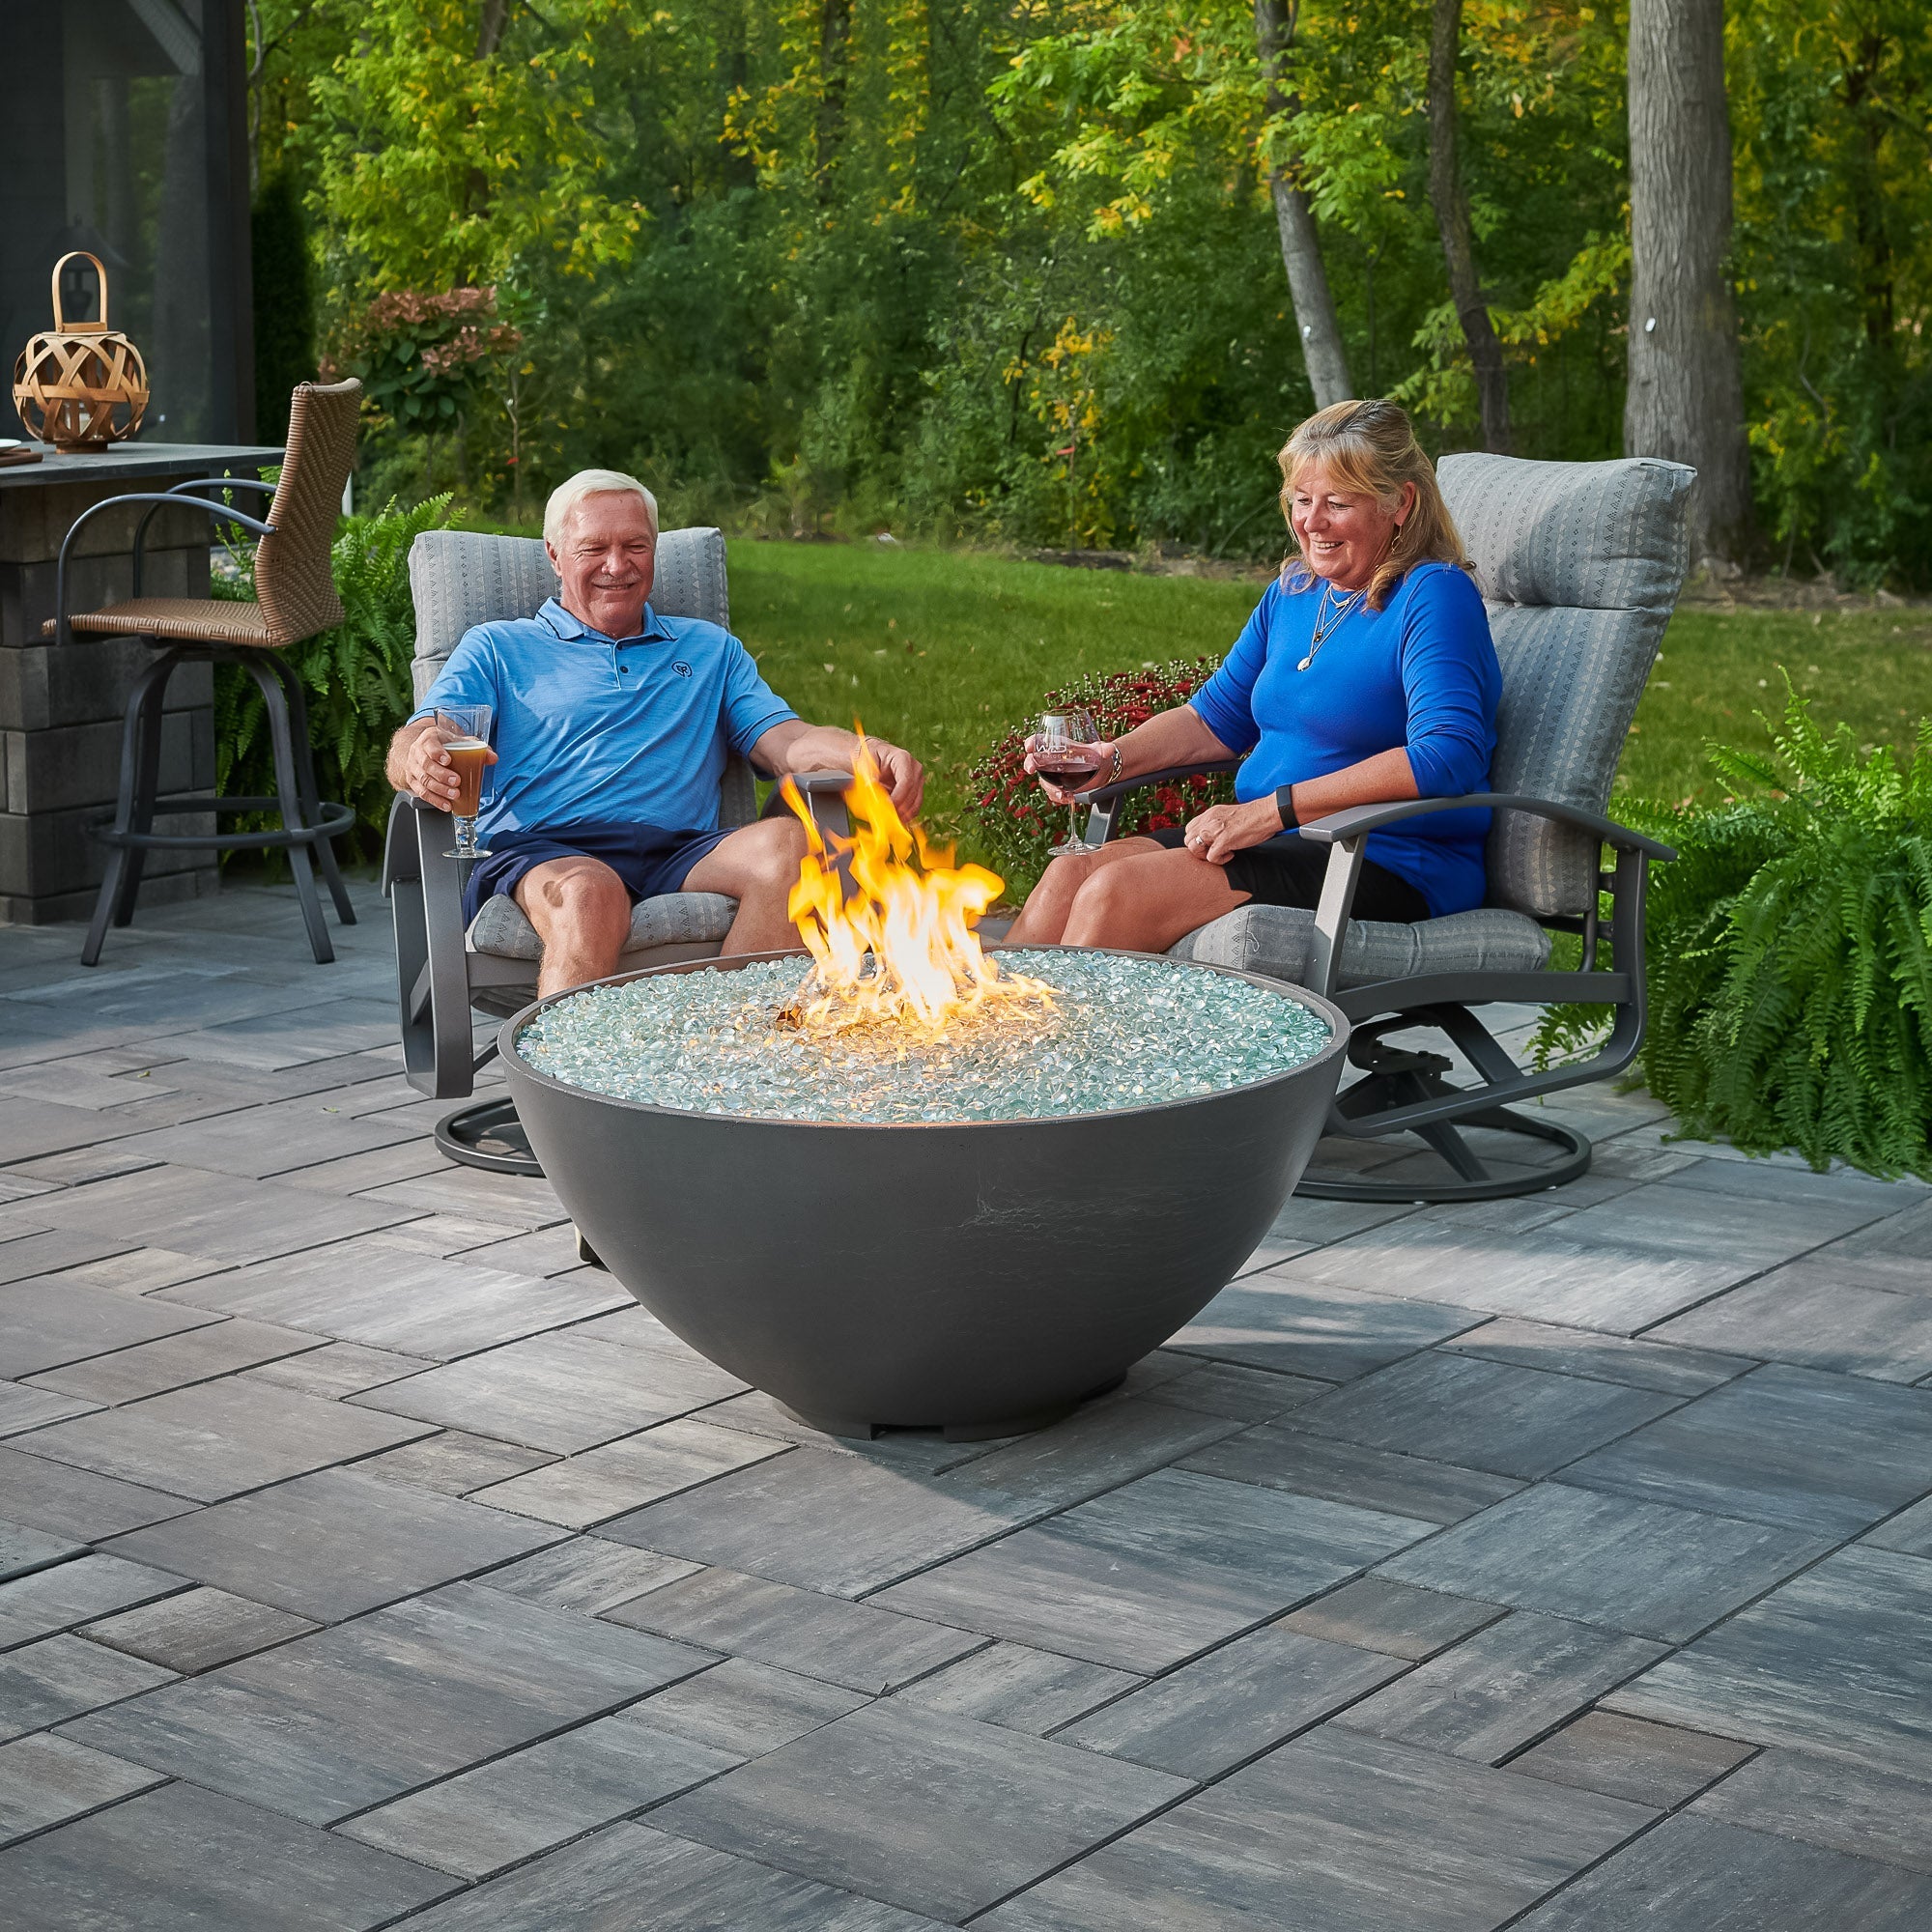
[[980, 1277]]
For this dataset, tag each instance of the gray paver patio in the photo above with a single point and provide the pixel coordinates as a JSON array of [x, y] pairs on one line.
[[366, 1561]]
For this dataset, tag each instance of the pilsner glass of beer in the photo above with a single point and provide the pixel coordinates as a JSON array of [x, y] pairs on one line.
[[465, 731]]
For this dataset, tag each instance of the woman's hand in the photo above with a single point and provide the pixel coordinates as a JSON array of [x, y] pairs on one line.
[[1099, 753], [1223, 830]]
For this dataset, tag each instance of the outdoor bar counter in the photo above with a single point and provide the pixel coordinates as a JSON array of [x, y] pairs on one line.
[[61, 709]]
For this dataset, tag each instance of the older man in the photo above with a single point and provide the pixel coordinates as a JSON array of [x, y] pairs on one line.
[[612, 728]]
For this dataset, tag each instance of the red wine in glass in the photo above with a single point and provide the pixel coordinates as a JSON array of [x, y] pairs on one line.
[[1063, 755]]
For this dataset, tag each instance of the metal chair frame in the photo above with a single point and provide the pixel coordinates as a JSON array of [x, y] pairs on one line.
[[1403, 1090], [308, 823]]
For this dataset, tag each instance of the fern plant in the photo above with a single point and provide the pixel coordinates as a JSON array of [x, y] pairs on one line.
[[1790, 953], [356, 676]]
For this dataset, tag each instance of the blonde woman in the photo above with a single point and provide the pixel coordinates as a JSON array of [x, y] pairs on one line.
[[1366, 675]]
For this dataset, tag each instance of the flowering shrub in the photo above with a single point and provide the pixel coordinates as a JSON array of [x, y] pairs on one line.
[[1016, 820], [420, 356]]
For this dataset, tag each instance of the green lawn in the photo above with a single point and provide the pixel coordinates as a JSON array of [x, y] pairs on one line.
[[942, 650]]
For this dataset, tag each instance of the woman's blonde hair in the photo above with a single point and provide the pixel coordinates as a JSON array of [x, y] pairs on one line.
[[1371, 450]]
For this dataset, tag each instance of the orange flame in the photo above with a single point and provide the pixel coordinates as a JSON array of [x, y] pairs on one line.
[[893, 939]]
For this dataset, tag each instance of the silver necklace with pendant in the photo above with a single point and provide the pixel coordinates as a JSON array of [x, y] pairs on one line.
[[1328, 622]]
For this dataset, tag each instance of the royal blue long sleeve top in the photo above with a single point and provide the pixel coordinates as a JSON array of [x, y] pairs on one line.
[[1421, 673]]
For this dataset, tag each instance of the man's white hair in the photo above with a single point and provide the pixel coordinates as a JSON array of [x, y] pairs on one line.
[[566, 497]]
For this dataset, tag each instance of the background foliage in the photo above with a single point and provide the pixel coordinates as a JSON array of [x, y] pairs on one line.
[[1009, 271]]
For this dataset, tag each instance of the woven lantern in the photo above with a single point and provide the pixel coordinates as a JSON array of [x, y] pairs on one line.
[[70, 384]]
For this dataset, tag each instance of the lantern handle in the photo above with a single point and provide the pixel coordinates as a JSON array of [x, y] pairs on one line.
[[95, 327]]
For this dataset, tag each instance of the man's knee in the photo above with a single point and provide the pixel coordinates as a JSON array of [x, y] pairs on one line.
[[582, 898], [772, 862]]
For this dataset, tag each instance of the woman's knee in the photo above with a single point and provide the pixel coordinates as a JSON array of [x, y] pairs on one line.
[[1107, 892]]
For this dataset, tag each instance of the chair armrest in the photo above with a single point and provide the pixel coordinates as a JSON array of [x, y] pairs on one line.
[[1356, 820], [1105, 794], [223, 483]]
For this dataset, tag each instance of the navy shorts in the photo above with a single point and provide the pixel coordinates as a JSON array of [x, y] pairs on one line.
[[649, 859]]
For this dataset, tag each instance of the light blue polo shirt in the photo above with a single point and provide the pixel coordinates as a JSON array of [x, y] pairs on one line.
[[631, 731]]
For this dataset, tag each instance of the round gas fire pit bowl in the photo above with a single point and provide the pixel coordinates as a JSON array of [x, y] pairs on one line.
[[979, 1276]]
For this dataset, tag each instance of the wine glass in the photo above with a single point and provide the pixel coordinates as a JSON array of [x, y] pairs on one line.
[[1063, 751], [465, 731]]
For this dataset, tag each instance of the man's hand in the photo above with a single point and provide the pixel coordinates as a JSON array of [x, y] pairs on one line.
[[901, 774], [427, 771], [1223, 830]]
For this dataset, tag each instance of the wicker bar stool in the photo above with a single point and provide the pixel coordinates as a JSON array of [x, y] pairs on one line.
[[295, 593]]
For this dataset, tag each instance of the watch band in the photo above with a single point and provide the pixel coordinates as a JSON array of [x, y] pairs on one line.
[[1284, 802]]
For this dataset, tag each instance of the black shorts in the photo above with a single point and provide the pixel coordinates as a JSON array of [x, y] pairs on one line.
[[1287, 870], [649, 859]]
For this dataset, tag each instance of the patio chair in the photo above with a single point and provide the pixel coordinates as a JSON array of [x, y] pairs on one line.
[[295, 599], [445, 973], [1580, 564]]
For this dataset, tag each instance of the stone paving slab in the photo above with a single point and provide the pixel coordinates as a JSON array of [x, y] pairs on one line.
[[1145, 1577], [23, 1407], [631, 1874], [197, 1630], [152, 1368], [745, 1708], [587, 1574], [47, 1781], [213, 1214], [823, 1522], [336, 1723], [1232, 1704], [483, 1821], [1546, 1275], [454, 1463], [959, 1814], [220, 1439], [182, 1860], [60, 1677], [22, 1550], [1696, 1871], [1819, 1314], [1382, 1836], [1345, 1472], [45, 1324], [560, 1392], [1845, 1807], [1823, 1455], [1625, 1758], [334, 1369], [66, 1502], [1645, 1568], [626, 1474], [1837, 1660], [384, 1298], [1373, 1613], [1672, 1370], [1507, 1684], [1332, 1334], [75, 1593], [259, 1143], [858, 1646], [335, 1544], [1481, 1414], [1025, 1689]]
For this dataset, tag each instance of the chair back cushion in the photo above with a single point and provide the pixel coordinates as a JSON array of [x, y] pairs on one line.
[[1580, 564], [459, 578], [294, 582]]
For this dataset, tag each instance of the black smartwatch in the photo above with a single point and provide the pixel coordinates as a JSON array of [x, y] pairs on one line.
[[1284, 802]]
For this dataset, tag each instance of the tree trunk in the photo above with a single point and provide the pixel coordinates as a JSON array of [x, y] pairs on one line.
[[1450, 201], [835, 36], [1686, 393], [1300, 246]]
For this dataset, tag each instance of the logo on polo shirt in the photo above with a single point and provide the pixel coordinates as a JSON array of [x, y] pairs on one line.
[[682, 669]]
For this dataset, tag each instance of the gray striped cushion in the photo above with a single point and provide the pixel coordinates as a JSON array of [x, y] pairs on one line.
[[675, 919], [1580, 566], [1278, 940]]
